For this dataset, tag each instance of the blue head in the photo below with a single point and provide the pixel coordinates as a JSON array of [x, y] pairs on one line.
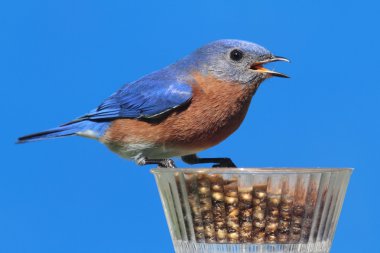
[[232, 60]]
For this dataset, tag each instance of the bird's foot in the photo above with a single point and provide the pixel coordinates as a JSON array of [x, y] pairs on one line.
[[218, 162], [224, 163], [167, 163], [161, 163]]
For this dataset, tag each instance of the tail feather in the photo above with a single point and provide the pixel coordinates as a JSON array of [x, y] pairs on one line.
[[87, 128]]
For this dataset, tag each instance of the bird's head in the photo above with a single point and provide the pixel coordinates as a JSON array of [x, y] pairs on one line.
[[235, 61]]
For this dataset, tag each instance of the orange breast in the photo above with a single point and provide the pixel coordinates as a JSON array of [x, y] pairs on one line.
[[216, 111]]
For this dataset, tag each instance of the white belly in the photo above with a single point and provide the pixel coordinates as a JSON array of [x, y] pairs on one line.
[[136, 151]]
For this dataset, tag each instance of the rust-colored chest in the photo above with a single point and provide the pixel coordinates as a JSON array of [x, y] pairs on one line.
[[216, 111]]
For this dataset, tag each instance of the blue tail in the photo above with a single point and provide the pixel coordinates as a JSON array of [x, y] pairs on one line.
[[87, 128]]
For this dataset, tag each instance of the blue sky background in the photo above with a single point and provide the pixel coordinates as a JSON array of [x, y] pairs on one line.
[[59, 59]]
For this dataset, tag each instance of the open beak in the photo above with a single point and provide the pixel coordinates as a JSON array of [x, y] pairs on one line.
[[258, 66]]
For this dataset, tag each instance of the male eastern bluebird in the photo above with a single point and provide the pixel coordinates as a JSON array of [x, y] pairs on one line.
[[179, 110]]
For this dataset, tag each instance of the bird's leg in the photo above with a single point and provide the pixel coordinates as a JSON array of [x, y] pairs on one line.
[[218, 162], [162, 163]]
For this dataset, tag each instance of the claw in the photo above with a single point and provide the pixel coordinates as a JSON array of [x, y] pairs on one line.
[[161, 163], [217, 162], [167, 163], [227, 163]]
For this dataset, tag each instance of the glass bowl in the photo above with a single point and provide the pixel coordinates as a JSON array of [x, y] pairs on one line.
[[252, 209]]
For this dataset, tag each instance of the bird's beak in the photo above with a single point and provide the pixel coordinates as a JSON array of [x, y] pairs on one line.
[[258, 66]]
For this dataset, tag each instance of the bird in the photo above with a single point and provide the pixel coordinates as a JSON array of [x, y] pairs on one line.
[[179, 110]]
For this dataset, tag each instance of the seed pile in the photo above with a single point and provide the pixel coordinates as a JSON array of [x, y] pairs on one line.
[[204, 193], [232, 211], [219, 208], [259, 214], [224, 212]]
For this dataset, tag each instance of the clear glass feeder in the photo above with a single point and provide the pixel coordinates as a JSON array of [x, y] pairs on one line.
[[252, 210]]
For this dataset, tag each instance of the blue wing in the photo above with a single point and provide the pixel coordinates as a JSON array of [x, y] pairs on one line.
[[142, 99], [146, 98]]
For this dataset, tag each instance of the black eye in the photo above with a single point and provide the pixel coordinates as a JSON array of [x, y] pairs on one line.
[[236, 55]]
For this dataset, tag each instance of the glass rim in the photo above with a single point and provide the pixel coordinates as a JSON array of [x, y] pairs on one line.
[[254, 170]]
